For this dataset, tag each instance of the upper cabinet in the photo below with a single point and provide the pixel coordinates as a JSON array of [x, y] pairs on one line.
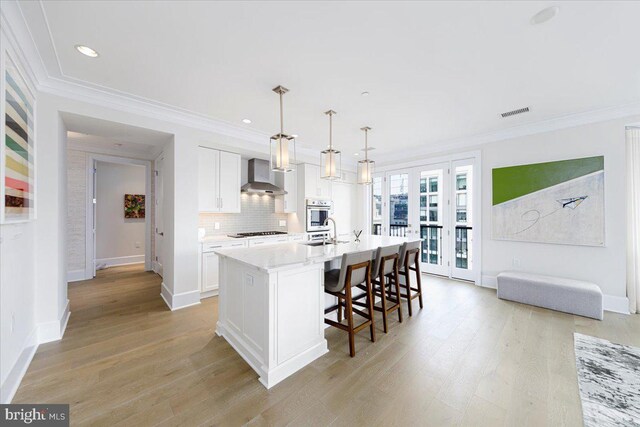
[[218, 181], [289, 183], [314, 186]]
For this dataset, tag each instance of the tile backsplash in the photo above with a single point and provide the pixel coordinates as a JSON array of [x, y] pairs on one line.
[[257, 214]]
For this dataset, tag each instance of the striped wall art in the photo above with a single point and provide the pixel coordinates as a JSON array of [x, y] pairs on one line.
[[18, 154]]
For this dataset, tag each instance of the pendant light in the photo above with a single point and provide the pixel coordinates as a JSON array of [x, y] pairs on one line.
[[279, 144], [330, 159], [365, 167]]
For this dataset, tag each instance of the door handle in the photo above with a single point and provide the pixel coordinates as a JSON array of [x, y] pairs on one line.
[[161, 233]]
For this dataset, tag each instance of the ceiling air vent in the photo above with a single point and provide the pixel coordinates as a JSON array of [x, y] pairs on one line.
[[514, 112]]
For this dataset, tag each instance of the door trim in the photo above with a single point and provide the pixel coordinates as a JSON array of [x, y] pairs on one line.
[[476, 155], [90, 255]]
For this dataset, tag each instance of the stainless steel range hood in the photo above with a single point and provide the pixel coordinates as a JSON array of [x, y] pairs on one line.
[[259, 179]]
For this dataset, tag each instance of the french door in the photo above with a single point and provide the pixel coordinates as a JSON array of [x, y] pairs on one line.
[[434, 202]]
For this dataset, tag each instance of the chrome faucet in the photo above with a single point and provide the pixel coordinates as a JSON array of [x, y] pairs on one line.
[[335, 229]]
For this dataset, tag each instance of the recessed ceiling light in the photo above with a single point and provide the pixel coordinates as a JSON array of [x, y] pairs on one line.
[[247, 121], [365, 93], [544, 15], [294, 135], [356, 154], [86, 50]]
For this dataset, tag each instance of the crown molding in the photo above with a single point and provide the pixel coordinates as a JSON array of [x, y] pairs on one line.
[[558, 123]]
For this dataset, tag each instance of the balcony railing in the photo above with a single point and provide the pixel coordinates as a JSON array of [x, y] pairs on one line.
[[398, 230], [464, 235], [431, 235]]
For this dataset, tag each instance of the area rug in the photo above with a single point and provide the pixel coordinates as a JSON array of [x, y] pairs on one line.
[[609, 382]]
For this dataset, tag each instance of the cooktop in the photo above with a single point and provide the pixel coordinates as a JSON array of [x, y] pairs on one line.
[[257, 233]]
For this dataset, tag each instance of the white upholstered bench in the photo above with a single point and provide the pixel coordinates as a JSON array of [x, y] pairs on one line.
[[569, 296]]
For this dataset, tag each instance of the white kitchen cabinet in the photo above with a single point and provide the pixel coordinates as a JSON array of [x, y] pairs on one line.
[[218, 181], [289, 182], [297, 237], [314, 186], [268, 240], [230, 166], [343, 198], [208, 272], [208, 179]]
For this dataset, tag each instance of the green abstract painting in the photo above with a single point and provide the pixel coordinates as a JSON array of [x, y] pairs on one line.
[[554, 202]]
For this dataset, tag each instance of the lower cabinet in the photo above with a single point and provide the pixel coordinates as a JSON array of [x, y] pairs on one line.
[[210, 277], [208, 273], [208, 263]]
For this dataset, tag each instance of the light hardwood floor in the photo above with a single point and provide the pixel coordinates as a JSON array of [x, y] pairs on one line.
[[467, 358]]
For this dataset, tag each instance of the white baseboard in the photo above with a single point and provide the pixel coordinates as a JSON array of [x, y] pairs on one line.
[[615, 304], [489, 281], [12, 382], [76, 276], [181, 300], [54, 330], [122, 260]]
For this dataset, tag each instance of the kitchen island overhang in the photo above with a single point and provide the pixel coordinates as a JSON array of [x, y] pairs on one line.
[[272, 301]]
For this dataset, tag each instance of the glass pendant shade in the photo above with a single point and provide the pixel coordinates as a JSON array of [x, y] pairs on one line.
[[330, 159], [280, 144], [365, 171], [366, 166], [331, 164]]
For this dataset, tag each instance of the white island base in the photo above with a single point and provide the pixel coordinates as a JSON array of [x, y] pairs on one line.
[[274, 320], [271, 302]]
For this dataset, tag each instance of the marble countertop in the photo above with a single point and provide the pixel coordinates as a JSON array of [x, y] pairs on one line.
[[225, 238], [296, 254]]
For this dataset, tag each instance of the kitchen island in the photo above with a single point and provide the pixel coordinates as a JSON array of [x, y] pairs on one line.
[[271, 302]]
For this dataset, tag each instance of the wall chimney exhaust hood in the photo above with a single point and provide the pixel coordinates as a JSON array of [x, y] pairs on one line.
[[259, 171]]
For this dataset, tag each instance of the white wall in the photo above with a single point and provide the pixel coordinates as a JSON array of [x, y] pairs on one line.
[[76, 213], [602, 265], [605, 266], [116, 236], [18, 332]]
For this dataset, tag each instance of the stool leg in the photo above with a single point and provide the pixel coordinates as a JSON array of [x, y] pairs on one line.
[[383, 295], [372, 328], [349, 308], [396, 281], [408, 286], [419, 280]]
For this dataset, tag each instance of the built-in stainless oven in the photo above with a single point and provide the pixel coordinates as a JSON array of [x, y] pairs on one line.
[[317, 213]]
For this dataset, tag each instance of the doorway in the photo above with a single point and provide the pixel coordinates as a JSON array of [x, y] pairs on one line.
[[439, 203], [118, 226]]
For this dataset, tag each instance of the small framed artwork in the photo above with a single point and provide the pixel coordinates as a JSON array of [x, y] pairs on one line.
[[134, 206], [17, 152]]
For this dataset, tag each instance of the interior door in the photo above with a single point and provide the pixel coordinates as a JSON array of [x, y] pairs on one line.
[[159, 231], [430, 216], [94, 198]]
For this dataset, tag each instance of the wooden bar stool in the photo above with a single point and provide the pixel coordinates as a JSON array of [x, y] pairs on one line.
[[384, 275], [410, 261], [355, 269]]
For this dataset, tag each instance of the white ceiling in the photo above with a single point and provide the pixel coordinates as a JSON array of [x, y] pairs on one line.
[[102, 136], [436, 71]]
